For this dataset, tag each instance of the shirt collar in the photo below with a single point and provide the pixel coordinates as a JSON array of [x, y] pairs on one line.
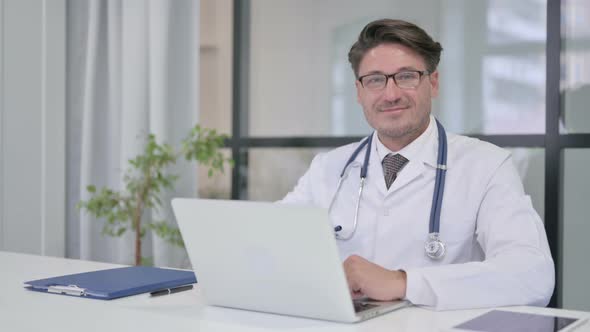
[[420, 149]]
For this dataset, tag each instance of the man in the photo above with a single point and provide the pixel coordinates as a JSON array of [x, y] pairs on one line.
[[496, 250]]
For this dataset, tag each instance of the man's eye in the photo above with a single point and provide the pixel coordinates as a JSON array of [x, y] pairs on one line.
[[406, 76], [374, 80]]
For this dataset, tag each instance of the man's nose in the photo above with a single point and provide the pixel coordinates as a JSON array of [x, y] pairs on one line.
[[391, 91]]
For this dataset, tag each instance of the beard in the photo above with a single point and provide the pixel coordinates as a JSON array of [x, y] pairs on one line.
[[403, 128], [407, 126]]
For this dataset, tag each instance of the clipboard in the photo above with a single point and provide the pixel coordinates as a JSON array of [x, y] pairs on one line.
[[113, 283]]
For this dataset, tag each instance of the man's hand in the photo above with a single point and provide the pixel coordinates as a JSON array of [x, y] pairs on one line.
[[373, 281]]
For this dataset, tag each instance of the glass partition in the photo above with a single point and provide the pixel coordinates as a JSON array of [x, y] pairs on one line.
[[575, 64], [576, 227], [492, 67], [273, 172]]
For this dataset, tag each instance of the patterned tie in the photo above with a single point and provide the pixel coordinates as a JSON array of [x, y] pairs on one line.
[[392, 164]]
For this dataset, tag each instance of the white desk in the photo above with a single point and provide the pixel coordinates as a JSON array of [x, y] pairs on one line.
[[24, 310]]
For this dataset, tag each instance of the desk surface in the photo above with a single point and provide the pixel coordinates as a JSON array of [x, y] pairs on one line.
[[23, 310]]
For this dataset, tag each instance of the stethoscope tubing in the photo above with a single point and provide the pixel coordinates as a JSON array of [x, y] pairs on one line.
[[434, 226], [439, 184]]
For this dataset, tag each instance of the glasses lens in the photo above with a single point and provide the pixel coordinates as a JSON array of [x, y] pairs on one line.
[[374, 82], [407, 79]]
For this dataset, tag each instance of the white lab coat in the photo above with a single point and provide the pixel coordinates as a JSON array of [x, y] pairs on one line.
[[497, 250]]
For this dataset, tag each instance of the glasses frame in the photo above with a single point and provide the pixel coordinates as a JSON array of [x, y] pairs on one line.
[[421, 74]]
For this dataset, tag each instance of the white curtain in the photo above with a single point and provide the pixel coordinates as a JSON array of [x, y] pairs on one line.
[[132, 70]]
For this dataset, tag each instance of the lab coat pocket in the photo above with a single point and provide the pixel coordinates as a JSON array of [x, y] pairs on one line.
[[457, 231], [451, 229], [459, 238], [458, 220]]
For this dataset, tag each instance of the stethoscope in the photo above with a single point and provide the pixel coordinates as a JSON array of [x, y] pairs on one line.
[[433, 247]]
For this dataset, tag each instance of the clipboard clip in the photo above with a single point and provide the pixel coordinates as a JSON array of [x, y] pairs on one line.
[[68, 290]]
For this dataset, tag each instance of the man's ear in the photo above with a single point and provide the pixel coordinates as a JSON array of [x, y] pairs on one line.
[[434, 84], [358, 90]]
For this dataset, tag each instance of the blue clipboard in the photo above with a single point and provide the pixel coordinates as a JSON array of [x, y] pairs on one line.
[[113, 283]]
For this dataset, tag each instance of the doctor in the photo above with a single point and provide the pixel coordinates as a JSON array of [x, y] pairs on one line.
[[439, 219]]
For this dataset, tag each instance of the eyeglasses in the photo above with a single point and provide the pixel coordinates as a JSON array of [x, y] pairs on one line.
[[407, 79]]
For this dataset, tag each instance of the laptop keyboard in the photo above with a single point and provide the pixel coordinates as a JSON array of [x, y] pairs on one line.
[[362, 306]]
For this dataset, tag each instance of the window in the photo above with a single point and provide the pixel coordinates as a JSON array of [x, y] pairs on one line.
[[503, 81]]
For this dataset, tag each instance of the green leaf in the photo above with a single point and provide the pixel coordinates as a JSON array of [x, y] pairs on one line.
[[147, 261], [168, 233]]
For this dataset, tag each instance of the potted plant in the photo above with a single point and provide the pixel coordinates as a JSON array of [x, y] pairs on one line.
[[146, 179]]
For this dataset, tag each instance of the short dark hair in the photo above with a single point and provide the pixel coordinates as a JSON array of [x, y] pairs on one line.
[[388, 31]]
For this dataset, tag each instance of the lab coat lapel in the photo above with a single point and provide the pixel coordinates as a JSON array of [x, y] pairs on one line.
[[375, 175], [412, 170], [419, 163]]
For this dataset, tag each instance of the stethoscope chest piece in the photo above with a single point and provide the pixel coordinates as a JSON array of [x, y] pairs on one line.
[[434, 247]]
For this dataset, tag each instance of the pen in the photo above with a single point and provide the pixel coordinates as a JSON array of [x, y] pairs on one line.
[[171, 290]]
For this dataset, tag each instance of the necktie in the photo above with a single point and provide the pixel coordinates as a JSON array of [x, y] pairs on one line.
[[392, 164]]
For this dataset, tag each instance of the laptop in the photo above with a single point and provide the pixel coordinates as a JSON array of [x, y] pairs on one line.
[[270, 257]]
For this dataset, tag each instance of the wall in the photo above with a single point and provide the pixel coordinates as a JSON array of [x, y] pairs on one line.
[[216, 56]]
